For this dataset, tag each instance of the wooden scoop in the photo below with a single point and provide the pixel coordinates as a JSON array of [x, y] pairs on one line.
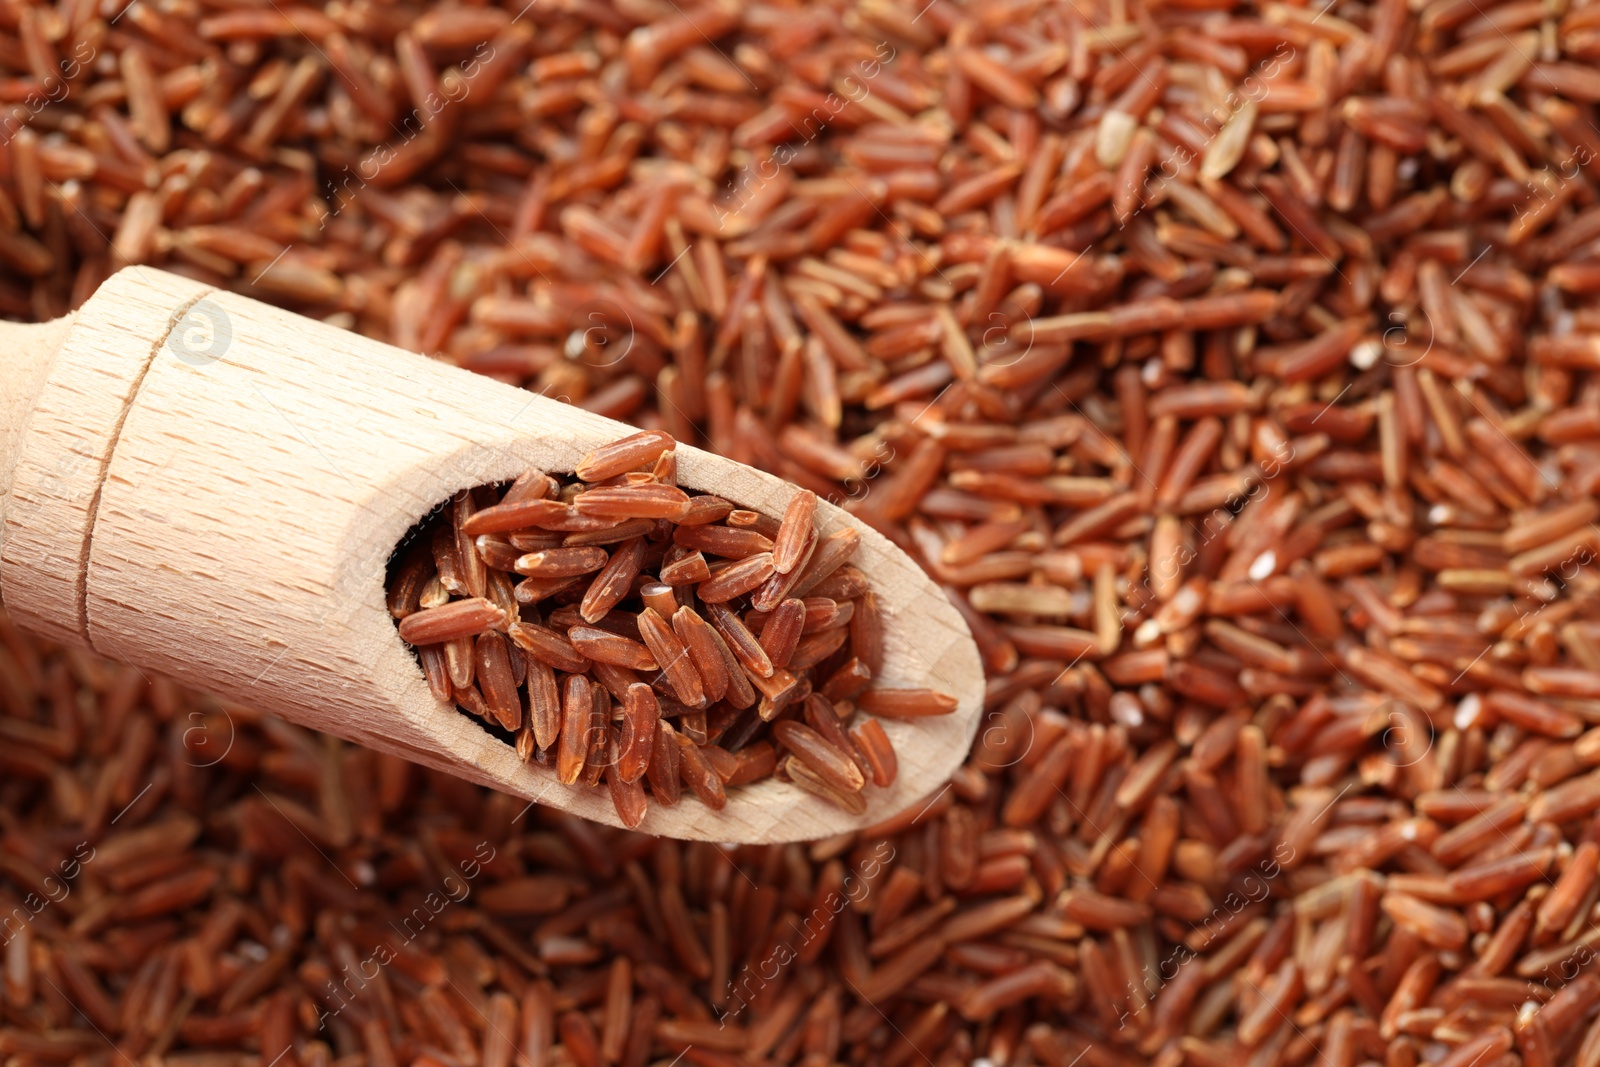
[[199, 484]]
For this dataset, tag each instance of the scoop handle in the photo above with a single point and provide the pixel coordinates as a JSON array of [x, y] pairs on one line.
[[64, 413], [29, 350]]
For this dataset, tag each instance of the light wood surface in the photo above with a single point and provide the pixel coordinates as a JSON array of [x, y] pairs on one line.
[[209, 487]]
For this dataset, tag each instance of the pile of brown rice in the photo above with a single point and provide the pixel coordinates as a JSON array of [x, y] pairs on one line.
[[1232, 366], [657, 639]]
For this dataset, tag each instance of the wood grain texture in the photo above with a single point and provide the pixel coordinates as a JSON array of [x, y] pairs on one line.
[[252, 501]]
